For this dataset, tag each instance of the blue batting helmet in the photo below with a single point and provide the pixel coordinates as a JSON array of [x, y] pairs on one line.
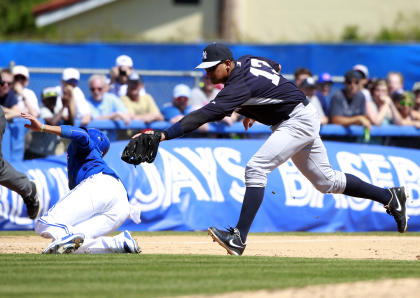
[[100, 140]]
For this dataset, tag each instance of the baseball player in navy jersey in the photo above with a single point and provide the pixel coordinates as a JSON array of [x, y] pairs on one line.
[[255, 89], [97, 202]]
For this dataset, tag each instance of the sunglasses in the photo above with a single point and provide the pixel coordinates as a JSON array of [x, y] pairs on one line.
[[93, 89], [7, 83], [406, 103], [181, 98], [352, 82]]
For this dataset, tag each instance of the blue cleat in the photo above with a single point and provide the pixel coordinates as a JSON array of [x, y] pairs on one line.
[[130, 244]]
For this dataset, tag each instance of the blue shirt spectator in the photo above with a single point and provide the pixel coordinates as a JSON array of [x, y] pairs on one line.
[[179, 107], [324, 84], [105, 106]]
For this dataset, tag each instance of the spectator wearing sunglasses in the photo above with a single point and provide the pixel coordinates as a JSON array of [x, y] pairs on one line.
[[27, 100], [404, 101], [8, 98], [348, 105], [104, 105]]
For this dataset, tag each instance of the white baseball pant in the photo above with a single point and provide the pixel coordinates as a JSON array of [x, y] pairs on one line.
[[95, 207], [296, 138]]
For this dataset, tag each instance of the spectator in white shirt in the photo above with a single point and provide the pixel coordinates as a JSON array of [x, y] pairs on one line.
[[27, 100], [119, 75], [71, 76]]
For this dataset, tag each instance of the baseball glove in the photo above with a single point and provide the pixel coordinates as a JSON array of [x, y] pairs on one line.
[[143, 148]]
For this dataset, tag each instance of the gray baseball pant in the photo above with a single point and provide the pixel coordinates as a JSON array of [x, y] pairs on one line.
[[9, 177], [296, 138]]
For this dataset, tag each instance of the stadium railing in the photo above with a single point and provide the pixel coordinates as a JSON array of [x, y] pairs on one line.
[[14, 136]]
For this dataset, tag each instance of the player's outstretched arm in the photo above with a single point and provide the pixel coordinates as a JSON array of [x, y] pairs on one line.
[[36, 125]]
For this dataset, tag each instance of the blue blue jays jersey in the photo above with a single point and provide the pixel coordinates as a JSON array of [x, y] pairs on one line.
[[83, 158], [256, 90]]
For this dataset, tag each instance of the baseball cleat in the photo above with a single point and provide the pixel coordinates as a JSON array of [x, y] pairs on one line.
[[32, 202], [65, 245], [230, 240], [396, 207], [130, 244]]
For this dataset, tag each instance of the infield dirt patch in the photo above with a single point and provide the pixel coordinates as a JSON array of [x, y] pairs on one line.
[[316, 246]]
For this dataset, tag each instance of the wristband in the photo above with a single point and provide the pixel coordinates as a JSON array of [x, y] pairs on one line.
[[42, 128]]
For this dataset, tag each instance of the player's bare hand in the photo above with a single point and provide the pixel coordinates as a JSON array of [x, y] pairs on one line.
[[248, 122], [35, 123], [18, 88]]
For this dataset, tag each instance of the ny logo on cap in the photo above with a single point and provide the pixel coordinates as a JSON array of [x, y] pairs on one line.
[[204, 55]]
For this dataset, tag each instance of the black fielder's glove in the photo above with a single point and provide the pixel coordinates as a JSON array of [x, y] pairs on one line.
[[143, 148]]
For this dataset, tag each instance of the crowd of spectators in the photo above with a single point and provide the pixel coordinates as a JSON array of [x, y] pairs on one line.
[[122, 96], [362, 100]]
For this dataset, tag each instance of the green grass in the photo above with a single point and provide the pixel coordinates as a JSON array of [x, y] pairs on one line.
[[121, 275]]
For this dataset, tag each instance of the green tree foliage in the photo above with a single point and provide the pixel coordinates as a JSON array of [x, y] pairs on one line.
[[16, 18], [351, 33], [405, 28]]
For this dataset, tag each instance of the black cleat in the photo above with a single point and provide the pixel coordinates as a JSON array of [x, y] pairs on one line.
[[230, 240], [396, 207], [32, 202]]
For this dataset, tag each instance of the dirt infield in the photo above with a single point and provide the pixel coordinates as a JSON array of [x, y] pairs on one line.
[[317, 246]]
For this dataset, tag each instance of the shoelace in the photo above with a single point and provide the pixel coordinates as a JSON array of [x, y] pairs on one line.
[[231, 230]]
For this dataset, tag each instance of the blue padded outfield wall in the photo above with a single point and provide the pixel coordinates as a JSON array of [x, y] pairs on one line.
[[333, 58], [197, 183]]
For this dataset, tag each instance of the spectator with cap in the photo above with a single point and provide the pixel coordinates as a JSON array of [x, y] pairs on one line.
[[308, 87], [175, 110], [404, 101], [140, 107], [381, 110], [364, 74], [27, 100], [416, 109], [323, 91], [179, 106], [105, 105], [301, 73], [8, 98], [395, 82], [71, 77], [348, 105], [119, 75]]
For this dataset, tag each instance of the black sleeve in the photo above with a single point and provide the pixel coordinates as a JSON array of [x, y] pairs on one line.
[[191, 122], [197, 118]]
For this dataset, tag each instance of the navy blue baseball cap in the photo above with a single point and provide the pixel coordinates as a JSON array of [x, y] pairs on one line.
[[213, 54]]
